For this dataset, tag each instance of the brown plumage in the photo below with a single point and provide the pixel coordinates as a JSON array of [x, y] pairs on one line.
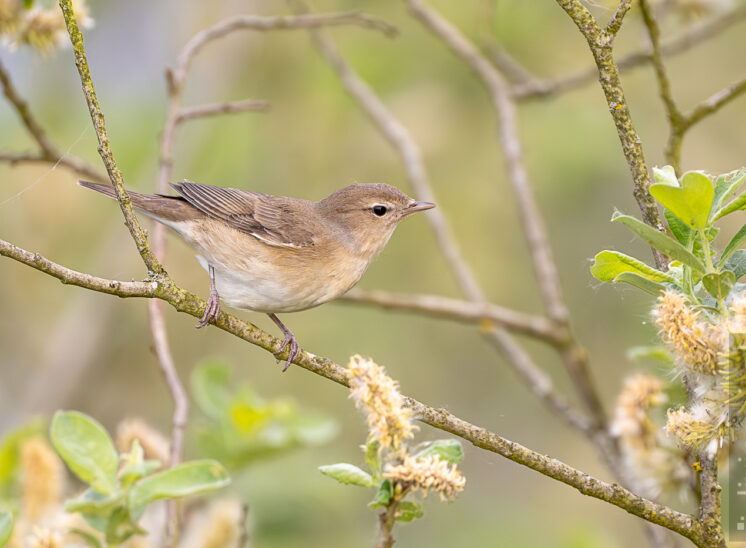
[[274, 253]]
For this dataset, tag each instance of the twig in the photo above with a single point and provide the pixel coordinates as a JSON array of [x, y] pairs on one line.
[[693, 36], [163, 288], [616, 20], [680, 123], [72, 277], [104, 146], [396, 134], [485, 314], [260, 23], [48, 152], [612, 87], [213, 109], [574, 357]]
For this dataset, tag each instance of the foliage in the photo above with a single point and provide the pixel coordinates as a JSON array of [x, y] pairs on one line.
[[121, 486], [238, 427], [692, 204]]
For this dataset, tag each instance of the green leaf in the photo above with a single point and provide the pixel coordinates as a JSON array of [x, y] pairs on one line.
[[719, 284], [678, 228], [93, 503], [608, 265], [349, 474], [736, 263], [724, 188], [6, 527], [373, 456], [663, 243], [735, 243], [383, 495], [691, 202], [189, 478], [210, 381], [639, 282], [121, 527], [448, 450], [28, 4], [665, 175], [89, 538], [87, 449], [657, 353], [407, 511], [739, 202]]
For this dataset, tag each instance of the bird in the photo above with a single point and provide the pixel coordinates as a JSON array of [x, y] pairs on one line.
[[277, 254]]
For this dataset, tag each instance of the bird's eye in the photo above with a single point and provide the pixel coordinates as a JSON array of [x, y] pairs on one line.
[[380, 210]]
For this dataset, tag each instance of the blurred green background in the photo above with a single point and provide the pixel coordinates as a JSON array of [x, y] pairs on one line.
[[63, 347]]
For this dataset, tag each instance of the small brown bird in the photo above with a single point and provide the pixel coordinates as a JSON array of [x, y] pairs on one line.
[[278, 254]]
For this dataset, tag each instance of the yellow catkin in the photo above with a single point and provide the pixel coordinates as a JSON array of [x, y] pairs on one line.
[[220, 525], [377, 394], [696, 344], [42, 29], [696, 426], [42, 477], [154, 444], [11, 16], [427, 474], [631, 421]]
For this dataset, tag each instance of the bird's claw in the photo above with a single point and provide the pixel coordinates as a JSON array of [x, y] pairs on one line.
[[293, 351], [212, 310]]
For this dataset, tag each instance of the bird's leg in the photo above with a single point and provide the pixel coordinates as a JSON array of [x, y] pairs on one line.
[[288, 340], [212, 310]]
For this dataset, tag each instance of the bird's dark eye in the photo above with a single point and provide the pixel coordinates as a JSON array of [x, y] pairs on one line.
[[380, 210]]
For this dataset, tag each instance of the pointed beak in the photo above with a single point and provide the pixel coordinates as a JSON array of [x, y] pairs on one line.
[[414, 207]]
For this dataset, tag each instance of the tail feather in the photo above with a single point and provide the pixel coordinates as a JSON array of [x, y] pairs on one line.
[[161, 208]]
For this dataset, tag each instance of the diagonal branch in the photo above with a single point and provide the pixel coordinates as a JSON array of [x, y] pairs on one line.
[[574, 357], [616, 20], [396, 134], [486, 314], [183, 301], [213, 109], [104, 146], [611, 84]]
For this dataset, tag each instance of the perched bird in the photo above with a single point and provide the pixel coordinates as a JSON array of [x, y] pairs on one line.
[[277, 254]]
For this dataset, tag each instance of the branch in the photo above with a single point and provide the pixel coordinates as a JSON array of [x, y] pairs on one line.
[[260, 23], [574, 357], [710, 513], [715, 102], [485, 314], [104, 146], [612, 87], [695, 35], [183, 301], [616, 20], [48, 153], [213, 109], [398, 136]]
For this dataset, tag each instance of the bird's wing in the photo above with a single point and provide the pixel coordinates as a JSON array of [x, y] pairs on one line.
[[272, 219]]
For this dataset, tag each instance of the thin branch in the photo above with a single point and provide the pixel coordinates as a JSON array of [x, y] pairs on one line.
[[574, 357], [163, 288], [260, 23], [48, 152], [72, 277], [485, 314], [104, 146], [612, 88], [715, 102], [616, 20], [693, 36], [398, 136], [22, 108], [213, 109]]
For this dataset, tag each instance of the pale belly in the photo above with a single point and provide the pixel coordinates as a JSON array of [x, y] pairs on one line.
[[260, 289]]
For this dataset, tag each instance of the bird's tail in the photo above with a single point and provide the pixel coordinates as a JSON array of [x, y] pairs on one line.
[[166, 209]]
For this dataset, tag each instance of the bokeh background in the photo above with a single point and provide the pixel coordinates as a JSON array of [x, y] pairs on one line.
[[63, 347]]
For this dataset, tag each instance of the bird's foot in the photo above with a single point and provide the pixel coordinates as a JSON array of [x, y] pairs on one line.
[[293, 351], [289, 340], [212, 310]]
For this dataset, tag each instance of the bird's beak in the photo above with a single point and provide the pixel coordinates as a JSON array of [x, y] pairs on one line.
[[414, 207]]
